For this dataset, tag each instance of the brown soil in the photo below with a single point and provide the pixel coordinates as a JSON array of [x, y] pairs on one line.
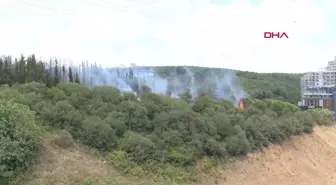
[[306, 160]]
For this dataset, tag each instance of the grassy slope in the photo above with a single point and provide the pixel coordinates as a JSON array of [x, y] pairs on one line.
[[74, 166]]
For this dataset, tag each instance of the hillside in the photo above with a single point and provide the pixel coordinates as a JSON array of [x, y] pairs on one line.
[[152, 138], [306, 159], [158, 138]]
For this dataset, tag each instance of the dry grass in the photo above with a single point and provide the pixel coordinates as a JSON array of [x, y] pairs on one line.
[[67, 166], [306, 160]]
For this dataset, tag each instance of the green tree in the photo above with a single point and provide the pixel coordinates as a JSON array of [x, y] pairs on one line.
[[77, 78], [56, 73], [70, 75]]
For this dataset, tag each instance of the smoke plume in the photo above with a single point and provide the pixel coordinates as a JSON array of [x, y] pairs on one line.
[[222, 85]]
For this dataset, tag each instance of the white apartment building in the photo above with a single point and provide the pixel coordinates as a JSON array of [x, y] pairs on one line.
[[325, 77], [318, 88]]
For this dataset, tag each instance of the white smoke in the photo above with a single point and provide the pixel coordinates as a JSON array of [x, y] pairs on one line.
[[221, 86]]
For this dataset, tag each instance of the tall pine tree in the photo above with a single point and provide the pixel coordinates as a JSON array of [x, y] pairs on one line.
[[56, 75], [77, 78], [71, 78]]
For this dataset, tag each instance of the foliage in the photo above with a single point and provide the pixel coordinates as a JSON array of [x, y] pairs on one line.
[[64, 139], [321, 116], [160, 136], [19, 139], [94, 132], [281, 86], [156, 136]]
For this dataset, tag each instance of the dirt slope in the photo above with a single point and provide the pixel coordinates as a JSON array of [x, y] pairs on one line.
[[307, 160]]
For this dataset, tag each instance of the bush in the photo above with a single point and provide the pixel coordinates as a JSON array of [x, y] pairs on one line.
[[238, 145], [307, 120], [95, 133], [322, 116], [19, 138], [64, 139], [138, 146], [115, 120]]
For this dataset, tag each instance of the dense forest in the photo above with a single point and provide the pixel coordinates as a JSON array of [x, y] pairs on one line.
[[181, 79], [280, 86], [156, 137]]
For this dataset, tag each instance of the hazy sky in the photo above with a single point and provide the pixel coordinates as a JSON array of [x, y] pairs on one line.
[[213, 33]]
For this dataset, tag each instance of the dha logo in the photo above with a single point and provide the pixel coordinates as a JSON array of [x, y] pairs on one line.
[[271, 35]]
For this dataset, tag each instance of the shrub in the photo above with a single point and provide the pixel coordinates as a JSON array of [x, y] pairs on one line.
[[139, 147], [322, 116], [64, 139], [19, 138], [95, 133], [307, 120], [238, 144]]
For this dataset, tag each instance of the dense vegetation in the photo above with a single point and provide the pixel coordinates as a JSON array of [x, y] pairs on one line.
[[280, 86], [157, 137], [285, 87]]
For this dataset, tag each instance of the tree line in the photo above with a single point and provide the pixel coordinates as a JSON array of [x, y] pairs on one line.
[[29, 69], [280, 86], [285, 87]]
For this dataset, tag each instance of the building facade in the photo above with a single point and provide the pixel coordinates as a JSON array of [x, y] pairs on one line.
[[318, 88]]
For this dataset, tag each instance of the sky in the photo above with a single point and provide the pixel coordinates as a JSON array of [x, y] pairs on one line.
[[211, 33]]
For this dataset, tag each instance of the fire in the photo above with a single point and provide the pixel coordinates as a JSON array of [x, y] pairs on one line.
[[241, 105]]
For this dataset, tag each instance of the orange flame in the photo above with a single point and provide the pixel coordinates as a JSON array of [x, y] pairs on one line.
[[241, 105]]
